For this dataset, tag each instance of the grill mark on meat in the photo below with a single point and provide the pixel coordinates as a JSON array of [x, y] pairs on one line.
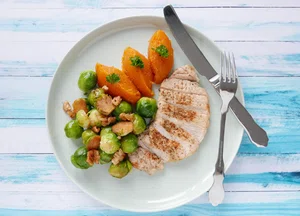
[[144, 160], [187, 86], [187, 141], [186, 72], [197, 130], [172, 128], [177, 112], [183, 98], [173, 149]]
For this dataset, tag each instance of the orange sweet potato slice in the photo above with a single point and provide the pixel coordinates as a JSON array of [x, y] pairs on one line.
[[122, 87], [141, 75], [160, 65]]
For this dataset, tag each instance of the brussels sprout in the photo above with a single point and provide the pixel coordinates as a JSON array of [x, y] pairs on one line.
[[95, 95], [87, 80], [105, 158], [105, 130], [83, 119], [146, 107], [109, 143], [73, 130], [79, 157], [129, 143], [86, 135], [121, 169], [139, 124], [95, 118], [123, 107]]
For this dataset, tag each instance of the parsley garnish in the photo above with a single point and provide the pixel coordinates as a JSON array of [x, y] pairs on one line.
[[162, 51], [137, 62], [113, 78]]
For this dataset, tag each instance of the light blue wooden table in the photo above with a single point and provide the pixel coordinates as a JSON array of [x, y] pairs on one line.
[[263, 34]]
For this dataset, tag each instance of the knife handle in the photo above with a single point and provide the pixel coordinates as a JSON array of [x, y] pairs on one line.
[[256, 134]]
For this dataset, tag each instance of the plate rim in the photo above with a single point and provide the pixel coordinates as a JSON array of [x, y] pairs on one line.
[[124, 19]]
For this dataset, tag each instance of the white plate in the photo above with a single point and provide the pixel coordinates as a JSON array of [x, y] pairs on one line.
[[180, 182]]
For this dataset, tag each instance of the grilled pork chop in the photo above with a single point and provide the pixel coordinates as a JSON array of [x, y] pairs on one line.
[[181, 120]]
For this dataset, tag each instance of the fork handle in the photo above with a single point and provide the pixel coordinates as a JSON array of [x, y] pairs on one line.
[[220, 161], [216, 192], [256, 134]]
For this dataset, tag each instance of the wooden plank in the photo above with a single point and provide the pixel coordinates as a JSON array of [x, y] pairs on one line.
[[229, 23], [69, 204], [252, 58], [249, 172], [283, 134], [205, 3], [20, 99], [78, 203], [33, 4]]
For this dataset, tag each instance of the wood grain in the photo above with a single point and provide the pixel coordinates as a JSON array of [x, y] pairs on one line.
[[252, 58], [78, 203], [249, 172], [50, 4], [278, 117], [221, 24], [265, 37]]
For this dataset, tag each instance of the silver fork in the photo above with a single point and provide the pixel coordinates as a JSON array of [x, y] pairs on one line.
[[228, 86]]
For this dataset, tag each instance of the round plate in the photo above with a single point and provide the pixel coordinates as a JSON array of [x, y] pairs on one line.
[[180, 182]]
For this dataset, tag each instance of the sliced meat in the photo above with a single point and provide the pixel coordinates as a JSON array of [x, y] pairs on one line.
[[144, 160], [182, 117], [186, 72], [183, 86], [184, 99]]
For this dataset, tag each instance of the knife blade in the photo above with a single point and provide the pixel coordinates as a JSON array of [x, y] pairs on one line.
[[256, 134]]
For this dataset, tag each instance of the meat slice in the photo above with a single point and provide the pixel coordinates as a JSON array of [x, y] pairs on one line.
[[184, 99], [144, 160], [181, 120], [186, 72], [186, 86]]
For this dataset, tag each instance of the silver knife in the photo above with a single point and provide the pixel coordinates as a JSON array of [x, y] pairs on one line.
[[256, 134]]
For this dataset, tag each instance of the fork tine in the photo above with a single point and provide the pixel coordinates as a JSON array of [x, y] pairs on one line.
[[230, 78], [226, 67], [234, 68], [223, 69]]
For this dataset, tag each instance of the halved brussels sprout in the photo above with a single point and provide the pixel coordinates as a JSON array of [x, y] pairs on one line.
[[105, 158], [104, 130], [83, 119], [139, 124], [73, 129], [109, 143], [95, 95], [95, 118], [86, 135], [79, 157], [121, 169]]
